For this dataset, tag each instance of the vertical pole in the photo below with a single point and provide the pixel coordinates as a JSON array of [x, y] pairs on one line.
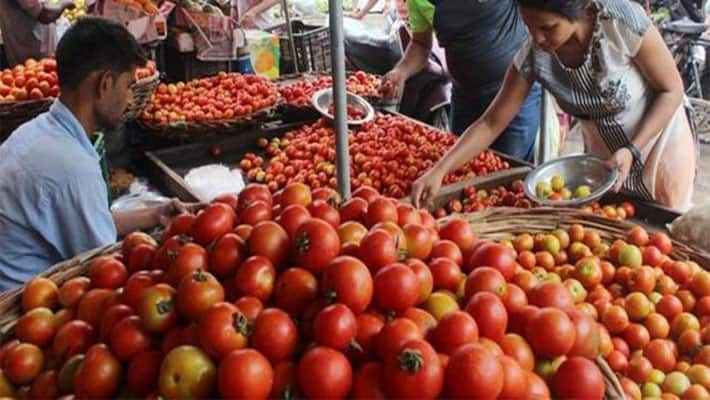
[[289, 29], [542, 137], [337, 48]]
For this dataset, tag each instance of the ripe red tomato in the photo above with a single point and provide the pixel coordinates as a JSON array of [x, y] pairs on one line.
[[270, 240], [485, 279], [366, 193], [157, 308], [36, 326], [515, 380], [295, 288], [292, 217], [180, 225], [106, 272], [496, 256], [366, 384], [223, 328], [143, 372], [285, 380], [73, 338], [378, 249], [394, 334], [22, 363], [256, 212], [315, 245], [459, 231], [489, 312], [396, 288], [578, 378], [135, 285], [186, 259], [347, 280], [517, 348], [140, 258], [419, 241], [368, 328], [227, 255], [335, 326], [99, 375], [447, 249], [413, 372], [254, 192], [551, 333], [296, 193], [45, 386], [245, 374], [113, 315], [250, 306], [474, 372], [196, 293], [453, 331], [213, 222], [550, 294], [255, 277], [274, 335], [324, 373], [379, 210], [661, 353], [587, 340], [446, 274], [322, 210], [354, 209], [93, 303], [129, 338], [72, 291], [132, 240]]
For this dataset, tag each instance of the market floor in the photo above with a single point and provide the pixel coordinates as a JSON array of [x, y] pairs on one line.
[[701, 193]]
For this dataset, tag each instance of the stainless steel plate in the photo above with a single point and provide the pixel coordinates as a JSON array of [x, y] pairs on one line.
[[323, 99]]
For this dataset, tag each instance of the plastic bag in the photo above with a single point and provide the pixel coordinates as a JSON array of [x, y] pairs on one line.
[[140, 195], [692, 227], [552, 132], [210, 181]]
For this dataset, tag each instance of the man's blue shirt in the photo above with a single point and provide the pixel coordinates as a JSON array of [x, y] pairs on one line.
[[52, 196]]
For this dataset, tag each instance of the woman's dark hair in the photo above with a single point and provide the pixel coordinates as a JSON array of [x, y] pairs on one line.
[[570, 9], [96, 44]]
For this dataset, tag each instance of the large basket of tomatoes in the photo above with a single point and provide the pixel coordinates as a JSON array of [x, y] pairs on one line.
[[26, 91], [224, 103], [147, 80]]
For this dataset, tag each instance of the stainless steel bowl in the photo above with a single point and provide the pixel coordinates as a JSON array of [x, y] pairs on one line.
[[323, 99], [576, 171]]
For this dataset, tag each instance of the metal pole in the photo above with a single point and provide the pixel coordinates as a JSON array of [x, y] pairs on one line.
[[337, 49], [289, 29], [542, 137]]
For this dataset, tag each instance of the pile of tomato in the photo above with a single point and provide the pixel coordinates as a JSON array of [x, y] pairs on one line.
[[388, 153], [473, 200], [299, 93], [147, 71], [32, 80], [225, 96]]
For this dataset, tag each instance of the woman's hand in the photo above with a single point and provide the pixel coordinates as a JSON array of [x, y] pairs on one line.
[[426, 187], [621, 161], [393, 84]]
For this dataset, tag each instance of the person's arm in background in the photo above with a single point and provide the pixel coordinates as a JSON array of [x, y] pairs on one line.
[[359, 13], [45, 14], [415, 56], [135, 220], [477, 137], [248, 20]]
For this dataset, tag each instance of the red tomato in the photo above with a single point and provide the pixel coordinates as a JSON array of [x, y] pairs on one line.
[[99, 375], [128, 338], [185, 260], [196, 293], [347, 280], [425, 278], [270, 240], [143, 372], [36, 327], [292, 217], [316, 244], [578, 378], [366, 384], [157, 308], [474, 372], [40, 292], [250, 306], [112, 316], [73, 338], [419, 241], [447, 249], [223, 328], [256, 212], [296, 193], [396, 288], [378, 249], [413, 372], [489, 312], [132, 240], [515, 380], [227, 255], [324, 373], [295, 288], [587, 340], [354, 209], [93, 303], [45, 386], [285, 380], [106, 272], [72, 291], [485, 279], [551, 333], [550, 294], [245, 374], [445, 273], [254, 192], [135, 286], [459, 231], [322, 210], [517, 348], [496, 256], [366, 193], [394, 334], [140, 258], [515, 298], [22, 363], [381, 210], [213, 222], [274, 335], [335, 326], [255, 277], [368, 328], [180, 225], [537, 388], [453, 331]]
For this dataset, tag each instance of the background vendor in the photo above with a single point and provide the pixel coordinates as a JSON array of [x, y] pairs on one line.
[[253, 14], [27, 28], [480, 39], [607, 65]]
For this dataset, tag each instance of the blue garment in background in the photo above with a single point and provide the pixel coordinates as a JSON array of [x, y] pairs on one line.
[[518, 139], [52, 196]]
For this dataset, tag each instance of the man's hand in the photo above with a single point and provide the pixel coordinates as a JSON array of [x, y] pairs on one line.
[[165, 213], [355, 14], [393, 84], [248, 20], [621, 161]]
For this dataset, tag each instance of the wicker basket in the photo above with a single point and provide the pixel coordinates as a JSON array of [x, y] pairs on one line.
[[194, 131], [503, 223], [14, 114], [10, 301], [142, 92], [701, 116]]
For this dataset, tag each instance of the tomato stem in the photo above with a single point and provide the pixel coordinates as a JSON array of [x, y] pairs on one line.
[[303, 243], [355, 346], [331, 296], [241, 324], [164, 306], [410, 360]]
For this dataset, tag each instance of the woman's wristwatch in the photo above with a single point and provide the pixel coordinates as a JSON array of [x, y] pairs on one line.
[[635, 152]]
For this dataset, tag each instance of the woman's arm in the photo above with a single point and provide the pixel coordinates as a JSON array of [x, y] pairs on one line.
[[477, 137], [658, 67]]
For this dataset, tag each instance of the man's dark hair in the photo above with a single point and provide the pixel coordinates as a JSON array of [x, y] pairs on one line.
[[570, 9], [96, 44]]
